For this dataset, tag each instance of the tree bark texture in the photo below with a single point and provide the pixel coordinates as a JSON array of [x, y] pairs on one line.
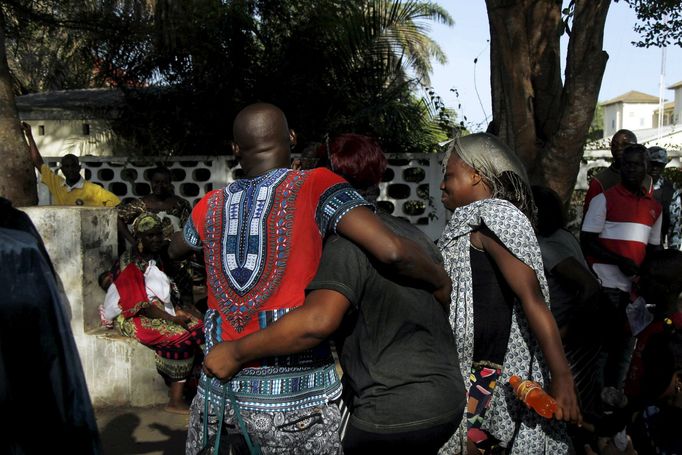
[[17, 177], [543, 119]]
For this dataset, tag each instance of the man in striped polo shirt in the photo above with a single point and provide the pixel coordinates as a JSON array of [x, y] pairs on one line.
[[620, 225]]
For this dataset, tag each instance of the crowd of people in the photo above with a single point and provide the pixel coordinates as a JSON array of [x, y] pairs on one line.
[[299, 263]]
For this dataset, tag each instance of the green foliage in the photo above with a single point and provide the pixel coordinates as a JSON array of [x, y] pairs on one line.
[[188, 66], [46, 44], [660, 22], [674, 175]]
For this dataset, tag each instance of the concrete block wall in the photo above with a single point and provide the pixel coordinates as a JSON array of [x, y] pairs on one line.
[[409, 189], [81, 242]]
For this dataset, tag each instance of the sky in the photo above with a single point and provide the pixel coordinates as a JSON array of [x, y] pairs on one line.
[[628, 67]]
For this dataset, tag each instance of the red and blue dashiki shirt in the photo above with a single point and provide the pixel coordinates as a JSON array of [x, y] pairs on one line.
[[262, 243]]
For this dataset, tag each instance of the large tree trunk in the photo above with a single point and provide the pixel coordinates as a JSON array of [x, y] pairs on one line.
[[17, 178], [542, 119]]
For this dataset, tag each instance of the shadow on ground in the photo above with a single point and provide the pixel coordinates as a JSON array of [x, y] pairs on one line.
[[141, 431]]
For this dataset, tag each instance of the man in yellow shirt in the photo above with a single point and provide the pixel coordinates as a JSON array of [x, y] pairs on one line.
[[72, 189]]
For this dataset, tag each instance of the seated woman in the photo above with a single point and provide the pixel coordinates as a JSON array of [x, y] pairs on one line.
[[142, 299], [173, 211]]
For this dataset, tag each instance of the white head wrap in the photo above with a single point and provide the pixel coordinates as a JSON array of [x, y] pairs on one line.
[[500, 167]]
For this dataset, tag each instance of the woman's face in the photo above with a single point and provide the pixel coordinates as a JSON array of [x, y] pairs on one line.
[[152, 240], [459, 183]]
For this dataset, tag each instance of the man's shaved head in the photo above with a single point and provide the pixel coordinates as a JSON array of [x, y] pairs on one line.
[[71, 168], [260, 126], [262, 138], [70, 159]]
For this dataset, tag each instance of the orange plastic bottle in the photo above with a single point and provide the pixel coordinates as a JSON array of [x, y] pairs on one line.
[[532, 394]]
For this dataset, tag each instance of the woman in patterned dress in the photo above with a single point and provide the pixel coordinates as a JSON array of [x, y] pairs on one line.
[[499, 310], [144, 302]]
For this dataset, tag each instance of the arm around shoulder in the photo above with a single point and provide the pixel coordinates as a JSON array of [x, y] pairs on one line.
[[403, 255]]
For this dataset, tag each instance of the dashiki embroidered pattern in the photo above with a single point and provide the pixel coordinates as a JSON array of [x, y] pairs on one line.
[[254, 277], [237, 248]]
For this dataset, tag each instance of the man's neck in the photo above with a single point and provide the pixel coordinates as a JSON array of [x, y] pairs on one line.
[[73, 182], [639, 191], [259, 170], [161, 197]]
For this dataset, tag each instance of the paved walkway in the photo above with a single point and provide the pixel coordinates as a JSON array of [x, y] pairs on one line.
[[147, 430]]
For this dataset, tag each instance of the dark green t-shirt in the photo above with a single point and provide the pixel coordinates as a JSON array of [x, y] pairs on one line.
[[396, 346]]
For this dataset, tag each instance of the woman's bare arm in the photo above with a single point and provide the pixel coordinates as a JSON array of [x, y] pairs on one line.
[[524, 283]]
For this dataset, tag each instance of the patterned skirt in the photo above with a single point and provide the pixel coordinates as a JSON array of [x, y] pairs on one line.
[[174, 347]]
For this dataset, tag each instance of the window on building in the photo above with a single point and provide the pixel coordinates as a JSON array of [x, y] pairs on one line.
[[86, 129], [641, 121], [613, 124], [41, 130]]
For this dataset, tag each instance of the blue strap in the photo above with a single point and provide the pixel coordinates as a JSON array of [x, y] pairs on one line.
[[205, 419], [216, 445], [253, 448]]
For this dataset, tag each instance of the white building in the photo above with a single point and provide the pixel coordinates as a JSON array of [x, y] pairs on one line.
[[677, 109], [639, 113], [632, 110], [72, 121]]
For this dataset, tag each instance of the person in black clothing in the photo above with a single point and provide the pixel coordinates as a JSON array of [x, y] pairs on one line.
[[43, 394], [663, 188]]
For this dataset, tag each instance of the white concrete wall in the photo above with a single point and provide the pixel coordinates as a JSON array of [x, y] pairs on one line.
[[638, 116], [419, 175], [612, 119], [631, 116], [677, 110], [82, 243], [62, 137]]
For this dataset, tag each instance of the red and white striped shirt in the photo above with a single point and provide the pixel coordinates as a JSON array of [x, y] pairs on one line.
[[626, 223]]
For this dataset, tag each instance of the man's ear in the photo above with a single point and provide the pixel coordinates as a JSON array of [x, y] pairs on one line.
[[293, 139], [235, 150]]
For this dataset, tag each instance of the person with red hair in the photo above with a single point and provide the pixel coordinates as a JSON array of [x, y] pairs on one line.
[[359, 159]]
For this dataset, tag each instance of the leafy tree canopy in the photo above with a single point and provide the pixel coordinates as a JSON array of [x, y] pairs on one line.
[[660, 22], [187, 67]]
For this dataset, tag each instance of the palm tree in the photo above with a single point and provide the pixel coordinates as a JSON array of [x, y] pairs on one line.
[[385, 48], [394, 35]]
